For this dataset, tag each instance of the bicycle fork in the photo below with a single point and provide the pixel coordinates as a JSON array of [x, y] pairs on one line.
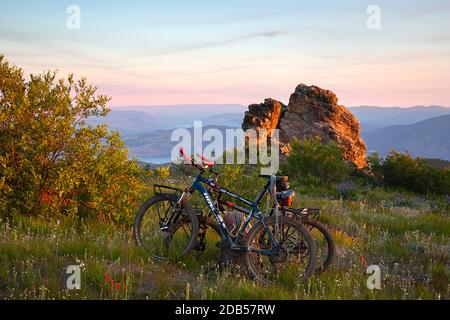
[[176, 211]]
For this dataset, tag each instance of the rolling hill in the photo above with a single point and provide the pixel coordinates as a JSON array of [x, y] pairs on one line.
[[423, 131], [429, 138], [156, 146], [141, 120], [372, 117]]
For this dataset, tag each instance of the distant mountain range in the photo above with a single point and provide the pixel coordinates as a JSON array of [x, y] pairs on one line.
[[156, 146], [422, 131], [429, 138], [372, 117], [142, 120]]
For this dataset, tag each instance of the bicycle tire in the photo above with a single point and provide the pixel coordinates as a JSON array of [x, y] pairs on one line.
[[331, 245], [310, 266], [199, 249], [188, 213]]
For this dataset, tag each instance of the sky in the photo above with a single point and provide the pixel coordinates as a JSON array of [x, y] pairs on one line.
[[205, 52]]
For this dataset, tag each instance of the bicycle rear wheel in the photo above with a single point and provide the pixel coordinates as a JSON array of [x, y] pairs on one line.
[[294, 258], [172, 242], [326, 247]]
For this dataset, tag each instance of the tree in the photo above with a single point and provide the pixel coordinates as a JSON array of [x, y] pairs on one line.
[[414, 174], [52, 161]]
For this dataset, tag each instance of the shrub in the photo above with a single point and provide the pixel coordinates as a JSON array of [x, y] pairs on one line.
[[241, 179], [315, 162], [162, 172], [413, 174], [51, 160]]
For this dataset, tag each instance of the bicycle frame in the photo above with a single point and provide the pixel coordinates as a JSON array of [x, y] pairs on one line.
[[254, 212]]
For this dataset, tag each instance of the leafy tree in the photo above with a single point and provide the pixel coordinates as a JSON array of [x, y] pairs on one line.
[[52, 161], [316, 162], [414, 174]]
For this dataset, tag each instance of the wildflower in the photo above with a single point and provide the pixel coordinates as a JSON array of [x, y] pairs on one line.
[[46, 198], [363, 260]]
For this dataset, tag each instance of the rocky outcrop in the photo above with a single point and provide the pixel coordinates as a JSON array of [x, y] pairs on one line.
[[264, 115], [312, 111]]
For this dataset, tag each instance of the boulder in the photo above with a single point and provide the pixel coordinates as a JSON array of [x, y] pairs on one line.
[[312, 111]]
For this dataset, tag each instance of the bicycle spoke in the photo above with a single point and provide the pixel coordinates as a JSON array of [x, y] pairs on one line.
[[165, 243], [285, 260]]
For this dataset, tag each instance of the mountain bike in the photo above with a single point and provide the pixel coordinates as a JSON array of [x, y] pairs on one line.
[[272, 248], [309, 217]]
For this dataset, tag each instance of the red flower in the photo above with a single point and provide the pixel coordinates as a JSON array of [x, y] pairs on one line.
[[46, 197], [363, 260]]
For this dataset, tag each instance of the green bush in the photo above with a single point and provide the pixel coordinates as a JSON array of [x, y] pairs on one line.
[[241, 179], [413, 174], [162, 172], [315, 162], [51, 160]]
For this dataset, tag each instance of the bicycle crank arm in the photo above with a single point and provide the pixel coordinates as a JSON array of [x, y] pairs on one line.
[[250, 249]]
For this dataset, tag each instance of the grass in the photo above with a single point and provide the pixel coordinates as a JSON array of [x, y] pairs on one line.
[[408, 238]]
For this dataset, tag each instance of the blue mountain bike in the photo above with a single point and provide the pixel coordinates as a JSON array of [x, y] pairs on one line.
[[271, 247]]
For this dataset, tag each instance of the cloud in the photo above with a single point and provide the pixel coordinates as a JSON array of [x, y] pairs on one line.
[[213, 44], [271, 33]]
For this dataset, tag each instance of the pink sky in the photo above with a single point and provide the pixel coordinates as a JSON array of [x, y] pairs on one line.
[[174, 52]]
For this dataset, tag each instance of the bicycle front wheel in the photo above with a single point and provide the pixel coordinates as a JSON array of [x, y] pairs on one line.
[[164, 241], [292, 260]]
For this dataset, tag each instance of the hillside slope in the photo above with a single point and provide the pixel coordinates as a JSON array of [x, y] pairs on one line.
[[371, 116], [158, 143], [429, 138]]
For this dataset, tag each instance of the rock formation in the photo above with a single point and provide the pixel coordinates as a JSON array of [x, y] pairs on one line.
[[312, 111], [264, 116]]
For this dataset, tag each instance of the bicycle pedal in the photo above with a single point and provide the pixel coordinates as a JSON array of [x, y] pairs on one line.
[[239, 248]]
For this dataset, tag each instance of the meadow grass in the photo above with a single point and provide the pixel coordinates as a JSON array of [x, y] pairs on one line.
[[408, 239]]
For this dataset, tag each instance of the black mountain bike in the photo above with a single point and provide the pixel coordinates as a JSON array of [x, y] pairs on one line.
[[273, 247], [235, 216]]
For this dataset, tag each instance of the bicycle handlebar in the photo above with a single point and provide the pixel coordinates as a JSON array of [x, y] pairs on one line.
[[205, 164]]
